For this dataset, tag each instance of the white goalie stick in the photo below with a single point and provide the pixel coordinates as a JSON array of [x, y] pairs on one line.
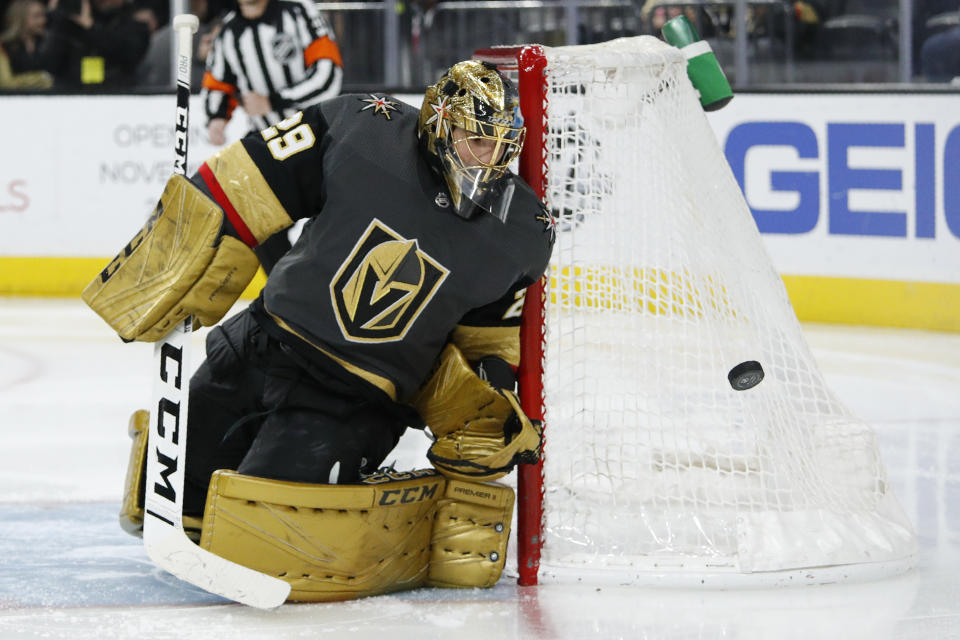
[[163, 535]]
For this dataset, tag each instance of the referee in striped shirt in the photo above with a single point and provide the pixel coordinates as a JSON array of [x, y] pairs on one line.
[[273, 58]]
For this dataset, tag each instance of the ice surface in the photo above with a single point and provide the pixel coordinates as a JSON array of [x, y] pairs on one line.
[[67, 387]]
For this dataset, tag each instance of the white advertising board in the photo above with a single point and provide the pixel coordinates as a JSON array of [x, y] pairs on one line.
[[862, 186], [80, 174]]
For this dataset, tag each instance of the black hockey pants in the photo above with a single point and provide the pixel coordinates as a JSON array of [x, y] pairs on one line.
[[253, 408]]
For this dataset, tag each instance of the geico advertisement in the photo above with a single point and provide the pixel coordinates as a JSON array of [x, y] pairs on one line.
[[851, 185], [840, 185]]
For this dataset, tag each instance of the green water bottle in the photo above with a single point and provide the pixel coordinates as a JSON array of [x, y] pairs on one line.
[[702, 66]]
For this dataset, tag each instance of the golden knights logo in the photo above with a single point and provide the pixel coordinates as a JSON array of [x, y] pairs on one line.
[[383, 286]]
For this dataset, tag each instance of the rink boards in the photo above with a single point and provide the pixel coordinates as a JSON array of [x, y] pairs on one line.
[[857, 195]]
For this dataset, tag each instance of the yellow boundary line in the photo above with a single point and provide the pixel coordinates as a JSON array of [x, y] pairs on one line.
[[917, 305], [885, 303]]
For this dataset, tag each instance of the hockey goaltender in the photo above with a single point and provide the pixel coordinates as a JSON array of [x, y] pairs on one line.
[[398, 307]]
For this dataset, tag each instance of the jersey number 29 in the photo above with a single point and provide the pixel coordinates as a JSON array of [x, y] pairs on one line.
[[296, 137]]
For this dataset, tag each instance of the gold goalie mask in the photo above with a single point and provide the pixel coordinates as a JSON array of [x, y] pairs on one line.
[[470, 122]]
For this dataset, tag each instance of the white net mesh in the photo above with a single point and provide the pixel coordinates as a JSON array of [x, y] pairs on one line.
[[659, 286]]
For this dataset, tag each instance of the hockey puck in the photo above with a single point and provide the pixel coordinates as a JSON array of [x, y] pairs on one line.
[[745, 375]]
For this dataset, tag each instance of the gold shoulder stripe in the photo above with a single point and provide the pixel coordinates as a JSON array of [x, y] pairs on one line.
[[477, 342], [248, 191], [380, 382]]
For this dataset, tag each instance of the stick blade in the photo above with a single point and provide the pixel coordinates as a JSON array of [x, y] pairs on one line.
[[171, 550]]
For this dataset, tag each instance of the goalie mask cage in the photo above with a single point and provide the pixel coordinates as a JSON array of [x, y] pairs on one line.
[[655, 470]]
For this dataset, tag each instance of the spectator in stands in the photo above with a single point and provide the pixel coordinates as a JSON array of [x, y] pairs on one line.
[[940, 51], [156, 70], [24, 26], [23, 41], [940, 56], [159, 8], [655, 15], [808, 20], [925, 11], [28, 80], [765, 22], [148, 16], [274, 58], [98, 43]]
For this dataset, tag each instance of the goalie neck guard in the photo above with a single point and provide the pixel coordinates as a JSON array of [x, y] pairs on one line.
[[475, 98]]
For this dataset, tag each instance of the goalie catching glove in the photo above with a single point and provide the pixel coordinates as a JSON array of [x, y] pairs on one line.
[[176, 266], [481, 431]]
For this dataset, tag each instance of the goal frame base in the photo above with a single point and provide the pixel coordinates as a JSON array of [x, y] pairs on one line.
[[713, 576]]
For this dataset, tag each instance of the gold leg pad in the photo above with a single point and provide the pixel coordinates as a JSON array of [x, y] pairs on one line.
[[469, 546], [131, 510], [330, 542]]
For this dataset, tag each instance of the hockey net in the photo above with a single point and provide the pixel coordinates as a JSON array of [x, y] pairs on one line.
[[655, 469]]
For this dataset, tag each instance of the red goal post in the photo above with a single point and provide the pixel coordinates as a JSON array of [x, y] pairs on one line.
[[525, 65]]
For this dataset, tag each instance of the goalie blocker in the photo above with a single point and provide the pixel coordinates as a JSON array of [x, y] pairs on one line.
[[179, 264]]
